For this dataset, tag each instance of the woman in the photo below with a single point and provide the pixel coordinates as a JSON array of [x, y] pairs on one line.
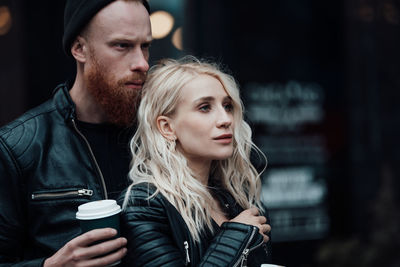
[[194, 197]]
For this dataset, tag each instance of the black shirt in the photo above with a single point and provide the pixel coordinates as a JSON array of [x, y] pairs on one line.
[[110, 145]]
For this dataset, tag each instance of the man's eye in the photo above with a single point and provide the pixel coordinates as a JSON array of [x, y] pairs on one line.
[[146, 46], [122, 45]]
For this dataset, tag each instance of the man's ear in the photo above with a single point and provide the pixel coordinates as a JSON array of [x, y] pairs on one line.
[[165, 127], [79, 49]]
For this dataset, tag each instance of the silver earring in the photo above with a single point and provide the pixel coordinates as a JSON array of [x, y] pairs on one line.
[[171, 144]]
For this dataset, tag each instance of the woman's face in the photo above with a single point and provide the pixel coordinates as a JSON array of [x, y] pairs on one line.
[[203, 121]]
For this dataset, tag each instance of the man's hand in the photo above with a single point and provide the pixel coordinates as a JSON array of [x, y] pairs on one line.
[[251, 216], [81, 251]]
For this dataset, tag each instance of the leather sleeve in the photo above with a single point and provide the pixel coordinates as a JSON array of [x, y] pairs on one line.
[[145, 225], [12, 228], [229, 245], [262, 254], [150, 241]]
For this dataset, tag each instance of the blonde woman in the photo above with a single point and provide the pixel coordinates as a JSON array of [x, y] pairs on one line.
[[194, 197]]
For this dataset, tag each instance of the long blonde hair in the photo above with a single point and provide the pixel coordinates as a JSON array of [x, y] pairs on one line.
[[156, 161]]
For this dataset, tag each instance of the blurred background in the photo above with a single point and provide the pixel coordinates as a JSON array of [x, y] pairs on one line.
[[320, 82]]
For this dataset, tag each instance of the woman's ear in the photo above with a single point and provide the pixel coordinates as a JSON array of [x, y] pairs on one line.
[[165, 127], [79, 48]]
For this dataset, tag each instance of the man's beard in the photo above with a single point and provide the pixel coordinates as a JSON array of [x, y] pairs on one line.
[[117, 101]]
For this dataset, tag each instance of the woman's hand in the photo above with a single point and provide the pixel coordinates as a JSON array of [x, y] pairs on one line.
[[252, 217]]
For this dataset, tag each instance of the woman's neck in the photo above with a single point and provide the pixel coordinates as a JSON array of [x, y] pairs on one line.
[[201, 171]]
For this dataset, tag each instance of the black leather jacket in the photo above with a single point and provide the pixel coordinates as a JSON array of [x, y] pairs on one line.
[[47, 169], [158, 236]]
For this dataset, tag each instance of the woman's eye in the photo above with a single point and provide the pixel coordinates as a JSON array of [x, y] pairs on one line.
[[228, 107], [205, 108]]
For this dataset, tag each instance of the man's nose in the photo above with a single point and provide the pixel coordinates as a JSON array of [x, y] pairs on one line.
[[139, 61]]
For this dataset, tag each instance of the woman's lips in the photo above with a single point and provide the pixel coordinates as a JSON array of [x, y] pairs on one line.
[[225, 138]]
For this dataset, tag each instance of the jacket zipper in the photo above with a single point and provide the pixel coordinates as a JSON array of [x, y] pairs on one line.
[[186, 244], [265, 249], [246, 253], [243, 258], [93, 157], [79, 192]]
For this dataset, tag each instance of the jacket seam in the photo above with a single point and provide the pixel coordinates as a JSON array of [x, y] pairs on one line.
[[217, 241], [4, 131], [11, 156]]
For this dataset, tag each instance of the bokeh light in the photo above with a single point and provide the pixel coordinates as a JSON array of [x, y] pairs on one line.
[[161, 24], [5, 20], [177, 39]]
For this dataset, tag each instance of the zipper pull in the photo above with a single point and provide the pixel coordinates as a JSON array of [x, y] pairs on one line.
[[85, 192], [186, 244], [265, 249], [244, 257]]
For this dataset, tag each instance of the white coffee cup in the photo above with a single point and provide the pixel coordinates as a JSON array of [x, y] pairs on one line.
[[99, 214]]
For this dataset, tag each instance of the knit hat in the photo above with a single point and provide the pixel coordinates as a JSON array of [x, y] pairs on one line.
[[78, 13]]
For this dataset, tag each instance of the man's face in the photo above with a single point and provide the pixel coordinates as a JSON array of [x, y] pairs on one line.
[[118, 40]]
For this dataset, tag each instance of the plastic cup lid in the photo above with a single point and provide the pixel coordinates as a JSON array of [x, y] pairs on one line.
[[98, 209]]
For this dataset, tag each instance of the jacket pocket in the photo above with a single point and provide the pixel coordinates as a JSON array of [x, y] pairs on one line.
[[61, 194]]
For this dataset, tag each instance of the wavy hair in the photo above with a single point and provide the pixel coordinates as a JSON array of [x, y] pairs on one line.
[[156, 161]]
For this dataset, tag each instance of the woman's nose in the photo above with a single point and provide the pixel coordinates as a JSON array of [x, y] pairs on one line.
[[224, 120]]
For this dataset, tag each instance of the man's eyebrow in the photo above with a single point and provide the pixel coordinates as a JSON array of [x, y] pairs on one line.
[[130, 40]]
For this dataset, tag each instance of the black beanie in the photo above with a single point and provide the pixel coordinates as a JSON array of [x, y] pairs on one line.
[[78, 13]]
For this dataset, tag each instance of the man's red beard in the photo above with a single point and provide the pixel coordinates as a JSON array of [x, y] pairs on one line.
[[117, 101]]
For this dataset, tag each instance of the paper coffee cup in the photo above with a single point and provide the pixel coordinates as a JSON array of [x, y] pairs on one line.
[[99, 214]]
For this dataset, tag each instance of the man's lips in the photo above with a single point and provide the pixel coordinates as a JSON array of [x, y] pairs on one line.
[[135, 84]]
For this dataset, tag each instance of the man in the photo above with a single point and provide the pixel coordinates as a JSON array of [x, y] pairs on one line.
[[74, 148]]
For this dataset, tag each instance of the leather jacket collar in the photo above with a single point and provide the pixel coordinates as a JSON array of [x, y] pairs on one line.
[[63, 102]]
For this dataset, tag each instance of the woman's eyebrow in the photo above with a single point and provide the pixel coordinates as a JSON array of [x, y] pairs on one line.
[[204, 99]]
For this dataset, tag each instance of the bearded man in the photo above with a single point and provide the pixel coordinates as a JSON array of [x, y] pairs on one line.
[[74, 148]]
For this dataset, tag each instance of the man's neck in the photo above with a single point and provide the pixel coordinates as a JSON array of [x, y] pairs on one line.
[[87, 109]]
